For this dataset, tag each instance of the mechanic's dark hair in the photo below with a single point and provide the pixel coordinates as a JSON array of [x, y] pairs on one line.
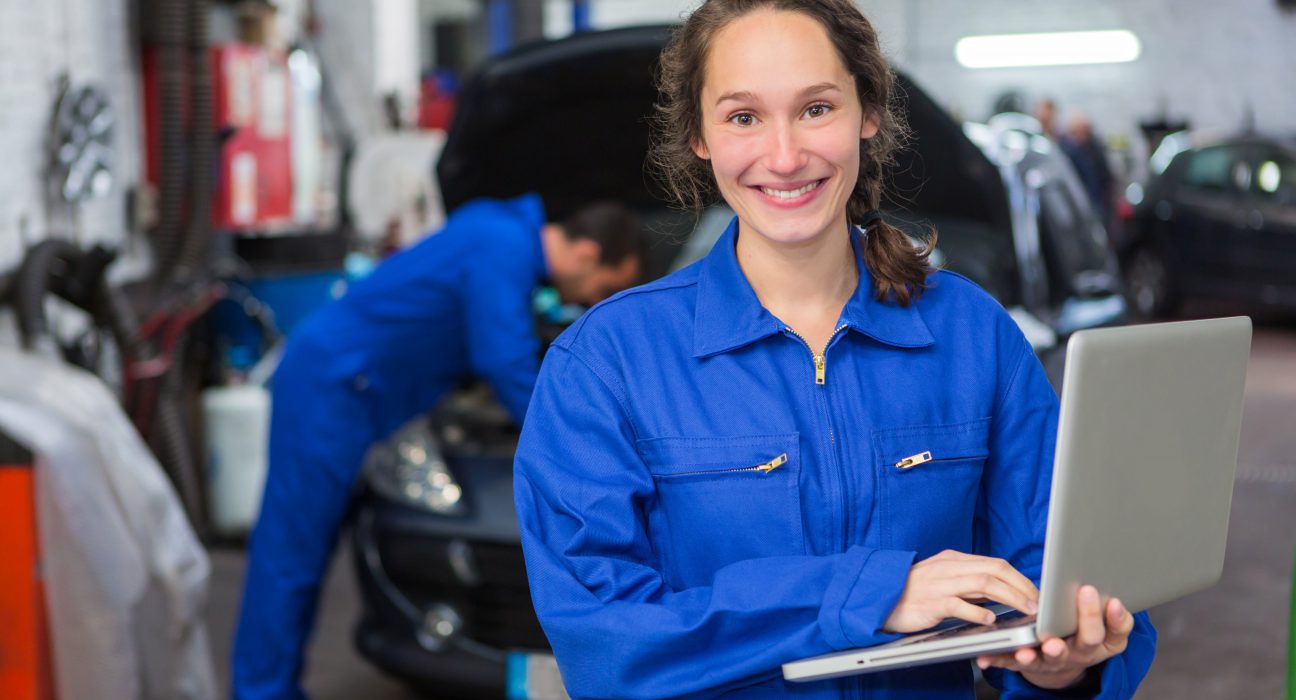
[[615, 228], [898, 266]]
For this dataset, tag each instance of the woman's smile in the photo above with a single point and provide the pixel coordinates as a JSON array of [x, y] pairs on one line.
[[790, 195]]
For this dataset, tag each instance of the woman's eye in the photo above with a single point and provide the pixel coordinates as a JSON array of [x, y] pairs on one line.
[[743, 119], [817, 110]]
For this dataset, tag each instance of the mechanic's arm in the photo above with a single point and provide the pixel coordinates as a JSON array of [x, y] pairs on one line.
[[616, 627], [502, 342], [319, 431], [1011, 519]]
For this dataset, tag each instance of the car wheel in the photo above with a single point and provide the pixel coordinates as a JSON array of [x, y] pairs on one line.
[[1150, 284]]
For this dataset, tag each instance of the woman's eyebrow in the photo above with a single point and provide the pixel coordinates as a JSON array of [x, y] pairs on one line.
[[819, 88], [738, 96], [747, 96]]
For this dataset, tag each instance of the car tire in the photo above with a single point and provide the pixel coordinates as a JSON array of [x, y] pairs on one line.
[[1150, 284]]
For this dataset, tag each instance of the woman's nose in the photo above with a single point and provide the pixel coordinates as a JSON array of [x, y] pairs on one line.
[[786, 155]]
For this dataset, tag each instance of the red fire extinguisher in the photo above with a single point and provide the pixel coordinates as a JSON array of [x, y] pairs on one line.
[[26, 666]]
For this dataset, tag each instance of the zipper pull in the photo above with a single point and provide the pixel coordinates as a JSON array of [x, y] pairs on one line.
[[773, 463], [914, 460], [820, 369]]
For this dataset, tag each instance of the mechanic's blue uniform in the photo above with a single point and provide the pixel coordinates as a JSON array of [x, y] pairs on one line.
[[457, 303], [665, 561]]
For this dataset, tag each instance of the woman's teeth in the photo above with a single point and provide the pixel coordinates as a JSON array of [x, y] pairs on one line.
[[790, 194]]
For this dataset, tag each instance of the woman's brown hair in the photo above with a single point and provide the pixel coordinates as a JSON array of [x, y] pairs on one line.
[[899, 268]]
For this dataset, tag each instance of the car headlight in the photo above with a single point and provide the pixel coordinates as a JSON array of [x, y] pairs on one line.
[[408, 468]]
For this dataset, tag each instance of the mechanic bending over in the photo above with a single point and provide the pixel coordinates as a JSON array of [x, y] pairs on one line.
[[457, 303], [808, 441]]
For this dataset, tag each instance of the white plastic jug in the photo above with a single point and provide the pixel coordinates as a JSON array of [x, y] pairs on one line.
[[236, 422]]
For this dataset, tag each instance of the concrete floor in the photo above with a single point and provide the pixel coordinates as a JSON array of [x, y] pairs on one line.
[[1227, 642]]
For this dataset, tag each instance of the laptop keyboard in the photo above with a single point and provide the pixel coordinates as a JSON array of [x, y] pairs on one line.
[[1006, 618]]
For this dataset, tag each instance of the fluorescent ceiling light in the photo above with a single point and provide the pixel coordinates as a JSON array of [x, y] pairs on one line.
[[1055, 49]]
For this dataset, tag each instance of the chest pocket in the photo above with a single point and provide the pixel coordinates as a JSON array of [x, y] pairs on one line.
[[722, 500], [930, 477]]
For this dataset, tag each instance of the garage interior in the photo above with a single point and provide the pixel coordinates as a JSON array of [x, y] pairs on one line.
[[189, 180]]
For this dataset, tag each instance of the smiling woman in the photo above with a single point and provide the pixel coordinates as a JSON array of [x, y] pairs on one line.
[[694, 482]]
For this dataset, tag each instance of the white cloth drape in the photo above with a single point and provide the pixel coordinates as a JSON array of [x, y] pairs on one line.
[[125, 576]]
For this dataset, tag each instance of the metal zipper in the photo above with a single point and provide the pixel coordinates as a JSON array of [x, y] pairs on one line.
[[923, 458], [763, 468], [820, 363], [820, 359], [914, 460]]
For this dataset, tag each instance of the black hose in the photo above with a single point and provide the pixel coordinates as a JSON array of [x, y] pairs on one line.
[[43, 270], [194, 246], [169, 25], [174, 442]]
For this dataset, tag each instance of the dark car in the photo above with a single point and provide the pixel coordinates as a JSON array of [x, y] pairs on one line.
[[446, 601], [1219, 222]]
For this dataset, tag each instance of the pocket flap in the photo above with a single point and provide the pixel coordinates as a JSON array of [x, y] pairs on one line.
[[932, 443], [692, 455]]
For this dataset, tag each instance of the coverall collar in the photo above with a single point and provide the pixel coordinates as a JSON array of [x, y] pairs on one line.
[[729, 315]]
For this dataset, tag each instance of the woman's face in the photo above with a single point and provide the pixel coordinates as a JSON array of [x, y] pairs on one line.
[[781, 126]]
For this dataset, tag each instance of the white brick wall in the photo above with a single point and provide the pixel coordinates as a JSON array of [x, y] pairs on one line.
[[39, 41], [89, 40]]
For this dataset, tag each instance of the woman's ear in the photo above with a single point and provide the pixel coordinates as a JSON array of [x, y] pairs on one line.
[[872, 122], [700, 149]]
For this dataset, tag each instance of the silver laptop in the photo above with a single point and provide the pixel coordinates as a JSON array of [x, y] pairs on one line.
[[1142, 484]]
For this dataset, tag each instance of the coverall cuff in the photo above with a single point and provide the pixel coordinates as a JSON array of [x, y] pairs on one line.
[[866, 585], [1016, 686]]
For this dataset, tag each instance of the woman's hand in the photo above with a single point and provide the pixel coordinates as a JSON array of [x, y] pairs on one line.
[[1059, 663], [948, 585]]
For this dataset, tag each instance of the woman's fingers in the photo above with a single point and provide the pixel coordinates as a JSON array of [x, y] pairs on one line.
[[993, 588], [976, 564], [944, 584], [1091, 630], [1016, 579], [963, 610], [1054, 648], [1119, 625]]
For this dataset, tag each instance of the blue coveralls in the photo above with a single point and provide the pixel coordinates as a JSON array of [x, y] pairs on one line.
[[457, 303], [701, 501]]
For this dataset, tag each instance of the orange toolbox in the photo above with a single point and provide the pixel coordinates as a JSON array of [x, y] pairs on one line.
[[26, 668]]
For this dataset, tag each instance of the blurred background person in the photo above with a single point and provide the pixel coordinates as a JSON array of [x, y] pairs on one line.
[[1085, 150], [456, 304]]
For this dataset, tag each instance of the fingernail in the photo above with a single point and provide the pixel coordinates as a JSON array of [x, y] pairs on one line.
[[1032, 607], [983, 664]]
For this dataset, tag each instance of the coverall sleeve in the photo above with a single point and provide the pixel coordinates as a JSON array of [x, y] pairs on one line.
[[616, 627], [502, 343], [320, 429], [1013, 512]]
